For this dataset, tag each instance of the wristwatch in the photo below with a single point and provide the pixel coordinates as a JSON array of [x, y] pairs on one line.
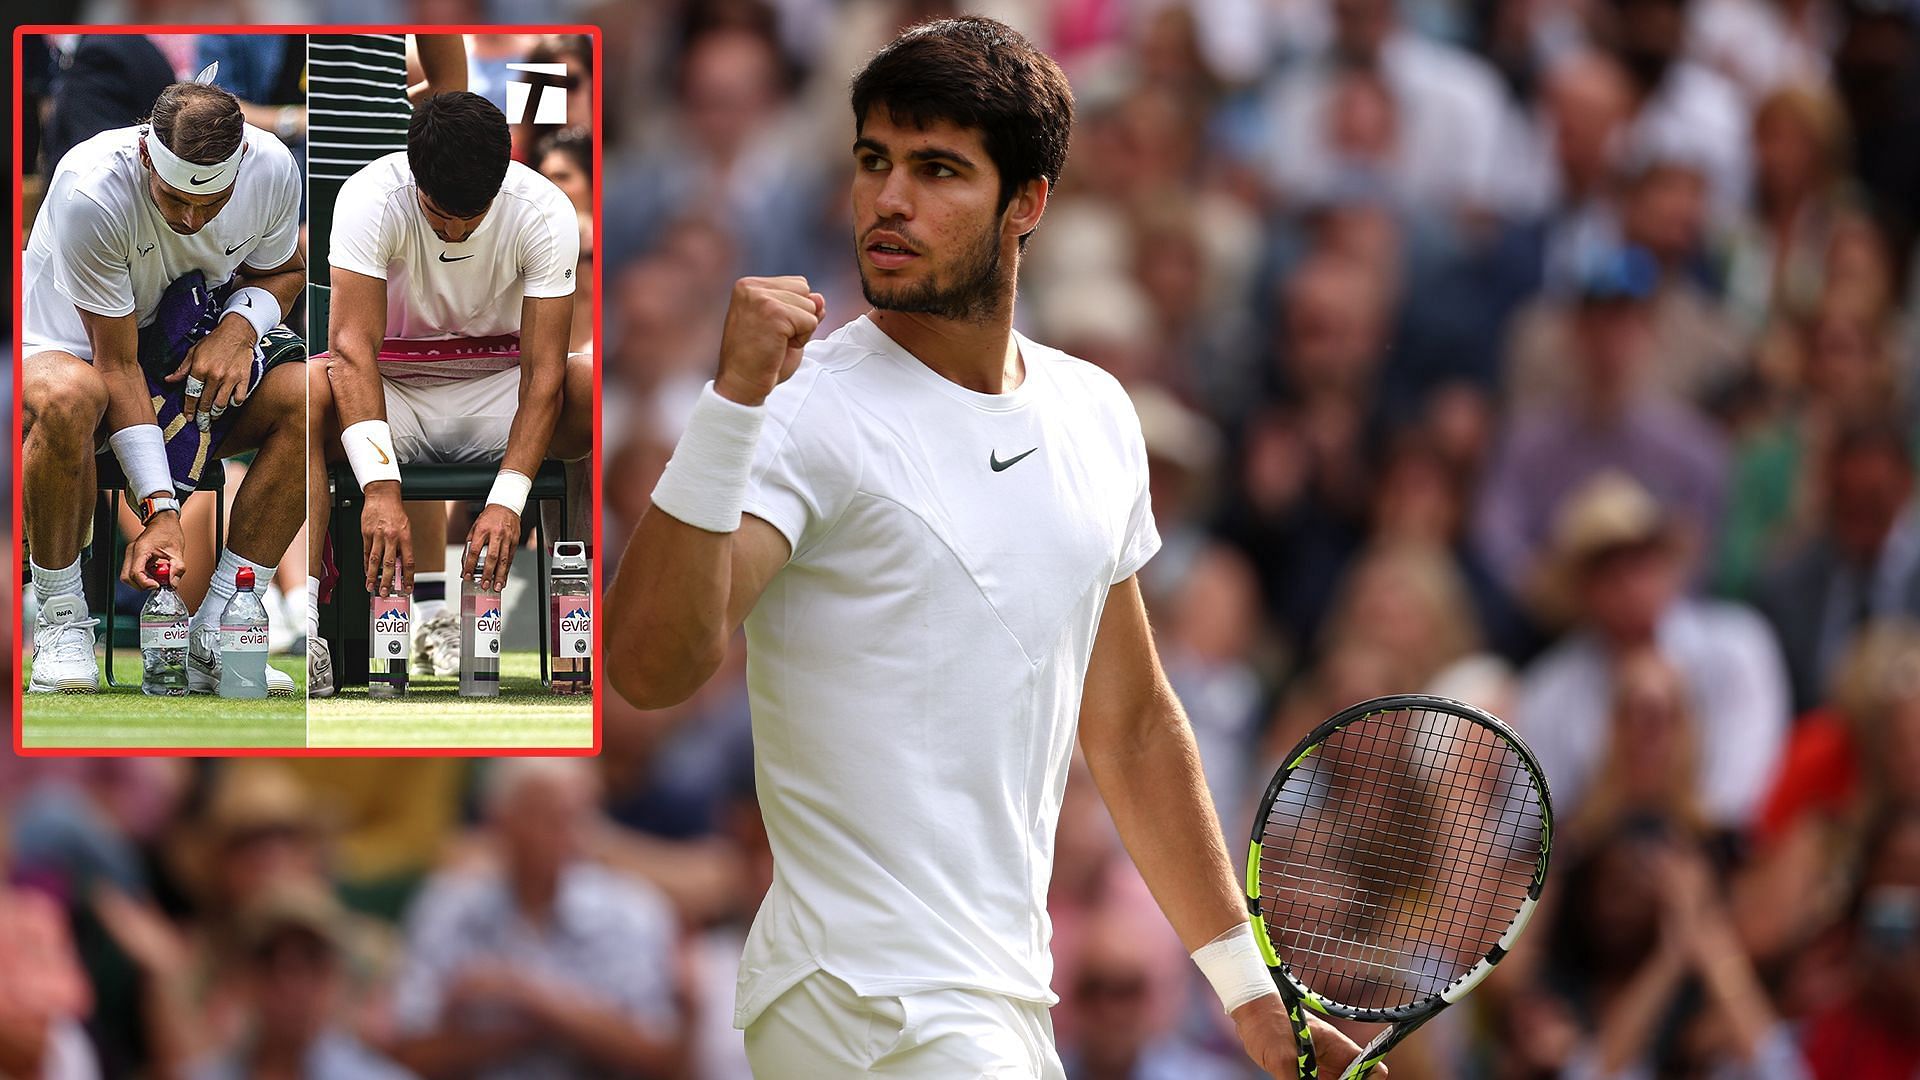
[[157, 504]]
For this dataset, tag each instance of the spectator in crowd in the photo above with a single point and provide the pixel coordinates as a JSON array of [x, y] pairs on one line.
[[566, 158], [291, 944], [1863, 565], [1873, 1030], [1617, 564], [44, 994], [106, 81], [543, 964], [1123, 991], [1608, 421]]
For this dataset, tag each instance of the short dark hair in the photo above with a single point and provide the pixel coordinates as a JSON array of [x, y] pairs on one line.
[[574, 142], [199, 122], [458, 147], [977, 73]]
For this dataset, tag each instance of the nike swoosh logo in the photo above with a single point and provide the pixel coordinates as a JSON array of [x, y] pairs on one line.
[[246, 301], [240, 245], [993, 459], [198, 180], [146, 249], [456, 258], [384, 459]]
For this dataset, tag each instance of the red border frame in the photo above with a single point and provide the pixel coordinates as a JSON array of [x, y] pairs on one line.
[[599, 137]]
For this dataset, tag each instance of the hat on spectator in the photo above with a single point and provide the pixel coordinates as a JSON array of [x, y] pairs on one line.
[[1625, 273], [1612, 512], [292, 906]]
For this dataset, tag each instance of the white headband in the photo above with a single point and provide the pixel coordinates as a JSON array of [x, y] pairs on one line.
[[183, 174]]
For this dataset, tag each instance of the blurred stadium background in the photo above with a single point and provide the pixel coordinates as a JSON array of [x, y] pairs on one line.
[[1554, 354]]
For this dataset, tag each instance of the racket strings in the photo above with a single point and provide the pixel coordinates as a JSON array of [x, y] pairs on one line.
[[1397, 855]]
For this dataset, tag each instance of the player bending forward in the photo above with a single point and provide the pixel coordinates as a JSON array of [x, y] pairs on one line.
[[154, 284], [929, 526], [452, 303]]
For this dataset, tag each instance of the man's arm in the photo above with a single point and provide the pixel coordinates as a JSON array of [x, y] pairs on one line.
[[682, 590], [443, 65], [1141, 753], [356, 325], [545, 324], [116, 345]]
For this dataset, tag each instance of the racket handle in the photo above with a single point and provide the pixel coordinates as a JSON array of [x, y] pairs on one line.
[[1302, 1035]]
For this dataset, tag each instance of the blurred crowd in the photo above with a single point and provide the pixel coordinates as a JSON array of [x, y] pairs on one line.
[[1558, 355]]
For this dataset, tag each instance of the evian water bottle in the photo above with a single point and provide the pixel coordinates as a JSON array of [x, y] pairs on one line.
[[163, 638], [387, 657], [243, 641], [570, 592], [479, 639]]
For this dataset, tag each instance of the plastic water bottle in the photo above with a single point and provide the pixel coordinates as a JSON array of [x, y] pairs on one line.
[[163, 638], [570, 600], [479, 640], [243, 641], [387, 658]]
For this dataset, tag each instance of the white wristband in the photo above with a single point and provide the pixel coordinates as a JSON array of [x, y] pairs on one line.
[[1232, 963], [510, 490], [257, 306], [142, 452], [369, 447], [705, 485]]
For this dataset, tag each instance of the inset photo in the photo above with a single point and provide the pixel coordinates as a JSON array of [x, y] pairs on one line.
[[163, 392], [452, 400]]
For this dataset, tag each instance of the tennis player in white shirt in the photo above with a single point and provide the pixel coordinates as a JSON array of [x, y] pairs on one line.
[[929, 526], [453, 277], [128, 214]]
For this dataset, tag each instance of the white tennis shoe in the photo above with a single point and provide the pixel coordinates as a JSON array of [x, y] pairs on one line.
[[203, 666], [436, 645], [319, 668], [63, 660]]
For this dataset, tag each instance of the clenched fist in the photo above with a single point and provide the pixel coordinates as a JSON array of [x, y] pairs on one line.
[[768, 322]]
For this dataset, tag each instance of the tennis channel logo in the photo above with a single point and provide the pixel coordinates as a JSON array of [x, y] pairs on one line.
[[550, 104]]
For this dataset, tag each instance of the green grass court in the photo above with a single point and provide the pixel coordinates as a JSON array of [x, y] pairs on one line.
[[432, 714], [124, 717]]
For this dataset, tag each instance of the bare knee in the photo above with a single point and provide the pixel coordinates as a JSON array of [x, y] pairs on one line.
[[62, 396]]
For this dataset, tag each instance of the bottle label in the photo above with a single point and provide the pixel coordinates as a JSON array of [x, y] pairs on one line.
[[389, 638], [573, 627], [163, 634], [243, 639], [486, 628]]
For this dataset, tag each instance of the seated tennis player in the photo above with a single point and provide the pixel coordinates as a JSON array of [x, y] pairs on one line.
[[447, 342], [159, 268]]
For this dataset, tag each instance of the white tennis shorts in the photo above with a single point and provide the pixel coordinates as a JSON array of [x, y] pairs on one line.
[[459, 421], [822, 1029]]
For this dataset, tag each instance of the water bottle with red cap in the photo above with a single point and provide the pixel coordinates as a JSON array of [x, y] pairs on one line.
[[243, 641], [163, 638]]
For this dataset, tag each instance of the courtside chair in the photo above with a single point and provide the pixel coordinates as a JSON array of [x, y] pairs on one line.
[[344, 621]]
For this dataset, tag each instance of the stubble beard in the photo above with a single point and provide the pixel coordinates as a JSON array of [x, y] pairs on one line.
[[975, 294]]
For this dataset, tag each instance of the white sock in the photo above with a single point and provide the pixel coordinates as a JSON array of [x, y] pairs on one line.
[[48, 584], [312, 590], [425, 611], [221, 588]]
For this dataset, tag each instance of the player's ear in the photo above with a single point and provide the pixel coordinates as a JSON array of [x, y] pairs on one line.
[[1028, 203]]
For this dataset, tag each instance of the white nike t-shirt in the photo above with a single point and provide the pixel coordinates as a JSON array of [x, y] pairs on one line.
[[99, 242], [916, 669], [526, 246]]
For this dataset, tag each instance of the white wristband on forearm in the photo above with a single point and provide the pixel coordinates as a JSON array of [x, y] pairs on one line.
[[257, 306], [510, 490], [369, 447], [142, 452], [1232, 963], [705, 485]]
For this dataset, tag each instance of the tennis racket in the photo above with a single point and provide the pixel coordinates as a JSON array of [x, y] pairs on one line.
[[1396, 857]]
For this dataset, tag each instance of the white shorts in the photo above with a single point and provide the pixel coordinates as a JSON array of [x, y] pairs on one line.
[[822, 1029], [459, 421]]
